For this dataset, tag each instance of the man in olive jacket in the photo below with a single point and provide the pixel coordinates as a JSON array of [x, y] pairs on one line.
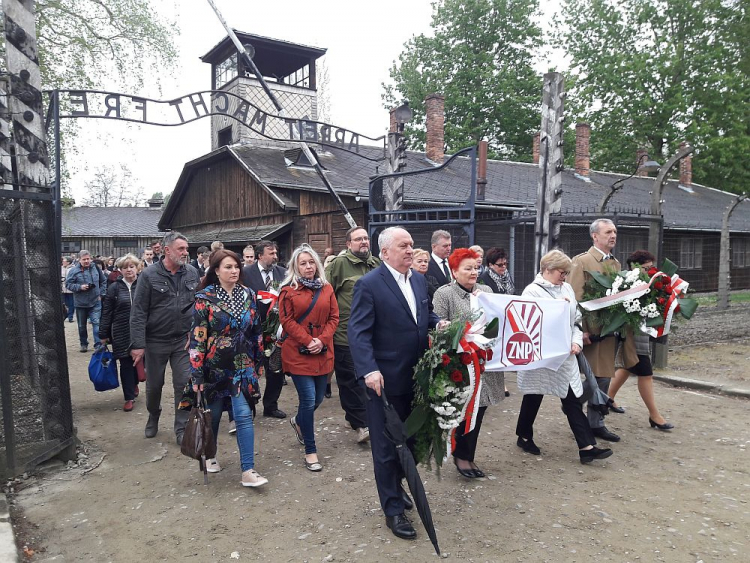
[[343, 273], [160, 320], [599, 351]]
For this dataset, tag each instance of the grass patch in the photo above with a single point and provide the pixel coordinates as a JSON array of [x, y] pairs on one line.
[[711, 300]]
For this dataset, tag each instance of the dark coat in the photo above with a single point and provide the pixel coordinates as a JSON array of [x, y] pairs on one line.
[[382, 333], [252, 278], [114, 324], [224, 350], [162, 305], [324, 319], [436, 271]]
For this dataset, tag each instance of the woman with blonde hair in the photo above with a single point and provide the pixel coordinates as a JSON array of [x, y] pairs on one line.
[[114, 324], [421, 263], [565, 382], [309, 315]]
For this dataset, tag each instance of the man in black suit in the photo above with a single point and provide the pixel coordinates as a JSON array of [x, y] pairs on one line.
[[259, 277], [390, 315], [441, 249]]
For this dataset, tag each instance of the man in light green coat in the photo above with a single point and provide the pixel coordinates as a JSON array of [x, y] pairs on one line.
[[343, 273]]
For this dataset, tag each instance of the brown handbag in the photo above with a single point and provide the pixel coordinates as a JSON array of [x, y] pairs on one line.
[[198, 441]]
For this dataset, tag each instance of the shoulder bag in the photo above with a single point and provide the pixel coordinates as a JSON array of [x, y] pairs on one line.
[[274, 360]]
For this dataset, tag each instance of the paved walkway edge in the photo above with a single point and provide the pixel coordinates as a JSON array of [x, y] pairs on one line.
[[8, 553], [722, 388]]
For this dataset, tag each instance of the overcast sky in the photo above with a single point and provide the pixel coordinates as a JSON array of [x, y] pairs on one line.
[[363, 39]]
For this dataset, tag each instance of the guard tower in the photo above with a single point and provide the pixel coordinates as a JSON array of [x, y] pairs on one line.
[[289, 70]]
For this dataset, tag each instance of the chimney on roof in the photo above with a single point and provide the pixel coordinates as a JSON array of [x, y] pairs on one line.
[[393, 127], [435, 108], [155, 202], [535, 147], [641, 156], [583, 137], [686, 168]]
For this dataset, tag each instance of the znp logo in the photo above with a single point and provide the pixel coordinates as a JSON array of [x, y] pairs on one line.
[[522, 333]]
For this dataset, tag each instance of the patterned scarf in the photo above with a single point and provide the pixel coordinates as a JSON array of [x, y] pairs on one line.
[[313, 284], [504, 283], [234, 302]]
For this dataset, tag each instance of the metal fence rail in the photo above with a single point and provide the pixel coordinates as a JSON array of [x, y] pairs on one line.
[[34, 385]]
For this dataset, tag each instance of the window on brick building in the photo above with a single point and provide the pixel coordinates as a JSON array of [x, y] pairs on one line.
[[225, 136], [740, 253]]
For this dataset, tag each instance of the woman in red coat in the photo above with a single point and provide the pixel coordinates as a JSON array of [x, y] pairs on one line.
[[309, 315]]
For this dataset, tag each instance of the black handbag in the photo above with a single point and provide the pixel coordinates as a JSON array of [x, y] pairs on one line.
[[198, 441], [274, 360]]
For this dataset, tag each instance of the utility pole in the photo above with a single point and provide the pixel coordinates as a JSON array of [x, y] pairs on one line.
[[549, 192], [725, 256]]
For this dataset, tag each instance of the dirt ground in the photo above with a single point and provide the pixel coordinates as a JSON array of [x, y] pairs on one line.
[[678, 496]]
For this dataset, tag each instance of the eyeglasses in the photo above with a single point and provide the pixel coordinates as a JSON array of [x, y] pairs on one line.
[[361, 239], [501, 264], [564, 273]]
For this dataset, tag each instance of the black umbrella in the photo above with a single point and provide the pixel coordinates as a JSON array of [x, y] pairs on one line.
[[597, 398], [394, 431]]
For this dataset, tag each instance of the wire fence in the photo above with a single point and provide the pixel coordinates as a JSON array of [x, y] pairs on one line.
[[34, 384]]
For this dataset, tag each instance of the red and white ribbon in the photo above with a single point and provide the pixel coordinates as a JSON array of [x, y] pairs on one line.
[[269, 297], [679, 287]]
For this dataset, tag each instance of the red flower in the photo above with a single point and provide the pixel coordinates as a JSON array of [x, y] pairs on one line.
[[481, 369], [457, 376], [446, 359], [652, 271], [658, 285], [465, 359], [668, 289], [661, 301], [269, 338], [482, 354], [677, 309], [490, 353]]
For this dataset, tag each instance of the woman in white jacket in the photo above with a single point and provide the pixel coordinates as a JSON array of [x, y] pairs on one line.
[[564, 382]]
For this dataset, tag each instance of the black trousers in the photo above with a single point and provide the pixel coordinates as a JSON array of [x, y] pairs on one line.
[[128, 377], [466, 444], [572, 408], [274, 383], [351, 394], [388, 472]]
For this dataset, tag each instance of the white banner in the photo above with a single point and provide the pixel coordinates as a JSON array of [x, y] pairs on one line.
[[533, 333]]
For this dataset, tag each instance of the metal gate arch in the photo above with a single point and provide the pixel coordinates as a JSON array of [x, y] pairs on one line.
[[457, 217]]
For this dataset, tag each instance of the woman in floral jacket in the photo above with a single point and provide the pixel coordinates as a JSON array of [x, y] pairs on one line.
[[226, 353]]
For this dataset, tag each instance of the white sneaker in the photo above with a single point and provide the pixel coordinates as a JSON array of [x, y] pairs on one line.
[[363, 435], [232, 427], [212, 466], [251, 478]]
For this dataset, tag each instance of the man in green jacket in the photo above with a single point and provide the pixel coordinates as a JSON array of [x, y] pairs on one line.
[[343, 273]]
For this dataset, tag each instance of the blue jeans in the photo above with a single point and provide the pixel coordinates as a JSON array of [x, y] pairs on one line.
[[311, 390], [243, 418], [83, 315], [70, 305]]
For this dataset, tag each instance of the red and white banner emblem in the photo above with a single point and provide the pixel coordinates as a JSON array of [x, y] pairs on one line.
[[533, 333]]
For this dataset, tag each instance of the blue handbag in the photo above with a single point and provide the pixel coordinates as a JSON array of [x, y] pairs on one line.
[[103, 370]]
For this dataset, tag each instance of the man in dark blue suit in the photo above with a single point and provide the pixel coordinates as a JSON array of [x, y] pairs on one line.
[[390, 316]]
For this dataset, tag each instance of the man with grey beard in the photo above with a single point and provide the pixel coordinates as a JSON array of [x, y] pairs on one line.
[[160, 320]]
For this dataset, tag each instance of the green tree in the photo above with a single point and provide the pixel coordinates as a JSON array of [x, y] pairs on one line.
[[653, 73], [480, 58], [84, 42], [112, 188]]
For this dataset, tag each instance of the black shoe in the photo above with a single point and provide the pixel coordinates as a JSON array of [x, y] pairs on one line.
[[406, 499], [478, 473], [507, 393], [605, 434], [665, 426], [468, 473], [328, 391], [278, 413], [618, 410], [178, 437], [528, 446], [587, 456], [401, 527], [84, 349], [152, 426]]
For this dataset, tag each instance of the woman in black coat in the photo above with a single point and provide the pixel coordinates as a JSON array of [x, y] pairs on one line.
[[114, 325]]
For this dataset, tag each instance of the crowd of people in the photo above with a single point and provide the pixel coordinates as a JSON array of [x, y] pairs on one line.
[[361, 318]]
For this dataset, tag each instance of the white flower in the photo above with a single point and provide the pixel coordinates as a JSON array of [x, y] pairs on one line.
[[652, 307], [644, 312], [653, 314]]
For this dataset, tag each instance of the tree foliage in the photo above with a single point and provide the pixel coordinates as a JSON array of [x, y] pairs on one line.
[[82, 42], [113, 188], [653, 73], [480, 58]]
